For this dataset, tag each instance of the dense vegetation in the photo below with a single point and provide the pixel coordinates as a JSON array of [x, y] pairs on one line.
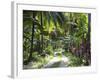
[[55, 34]]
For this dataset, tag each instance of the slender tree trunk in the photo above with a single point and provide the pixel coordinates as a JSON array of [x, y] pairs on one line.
[[41, 32], [31, 48], [88, 53], [89, 36]]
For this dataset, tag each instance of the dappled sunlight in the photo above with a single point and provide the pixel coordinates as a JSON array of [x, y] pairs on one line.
[[56, 39]]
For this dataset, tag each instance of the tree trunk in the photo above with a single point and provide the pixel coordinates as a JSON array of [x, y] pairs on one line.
[[41, 32], [88, 49], [31, 48]]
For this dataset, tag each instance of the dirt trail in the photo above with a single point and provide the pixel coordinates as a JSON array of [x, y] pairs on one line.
[[57, 62]]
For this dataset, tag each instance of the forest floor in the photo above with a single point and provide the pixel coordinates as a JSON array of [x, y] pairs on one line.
[[59, 61], [53, 63]]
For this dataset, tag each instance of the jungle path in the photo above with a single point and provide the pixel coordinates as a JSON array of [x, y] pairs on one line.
[[57, 62]]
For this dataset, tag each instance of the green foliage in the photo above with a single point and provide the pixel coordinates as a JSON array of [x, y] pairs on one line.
[[61, 32], [74, 61], [49, 50]]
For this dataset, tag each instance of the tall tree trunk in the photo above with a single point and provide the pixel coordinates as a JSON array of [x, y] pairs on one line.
[[88, 49], [41, 32], [31, 48]]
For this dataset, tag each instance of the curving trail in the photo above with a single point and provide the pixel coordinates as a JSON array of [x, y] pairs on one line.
[[57, 62], [53, 63]]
